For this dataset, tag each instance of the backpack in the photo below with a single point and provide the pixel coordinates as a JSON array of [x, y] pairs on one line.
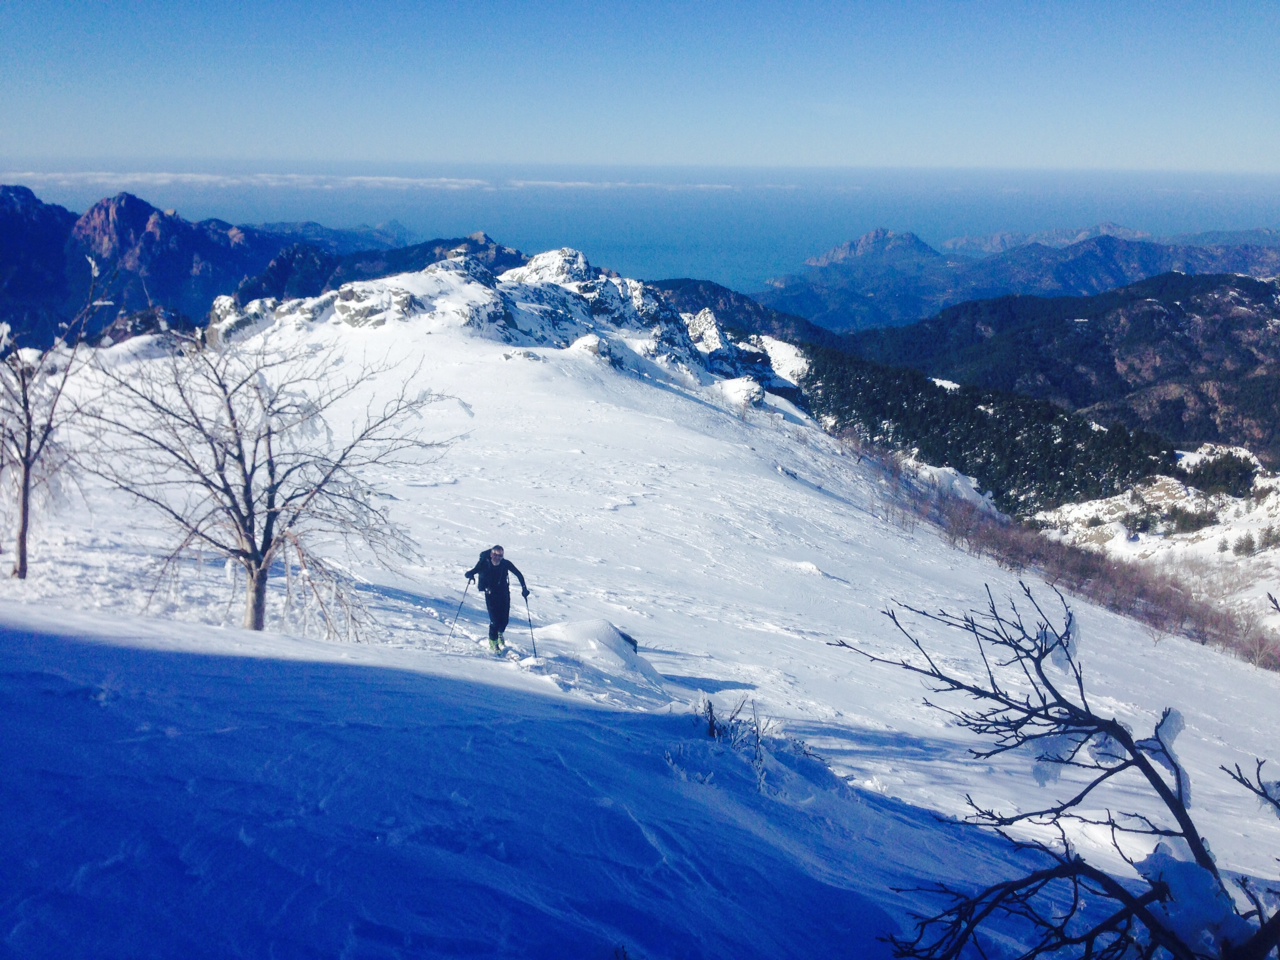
[[482, 571]]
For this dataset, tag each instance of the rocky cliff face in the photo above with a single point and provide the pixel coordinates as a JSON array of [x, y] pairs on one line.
[[159, 259]]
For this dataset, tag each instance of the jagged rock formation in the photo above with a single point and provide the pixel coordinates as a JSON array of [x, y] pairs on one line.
[[159, 259], [154, 263]]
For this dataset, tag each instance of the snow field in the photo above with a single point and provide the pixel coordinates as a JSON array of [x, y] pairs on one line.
[[413, 796]]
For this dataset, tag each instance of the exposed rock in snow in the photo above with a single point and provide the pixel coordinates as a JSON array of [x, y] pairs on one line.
[[704, 330]]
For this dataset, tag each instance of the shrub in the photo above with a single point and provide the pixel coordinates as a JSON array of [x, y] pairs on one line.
[[1245, 546]]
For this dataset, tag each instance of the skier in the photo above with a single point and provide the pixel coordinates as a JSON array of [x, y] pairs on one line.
[[493, 569]]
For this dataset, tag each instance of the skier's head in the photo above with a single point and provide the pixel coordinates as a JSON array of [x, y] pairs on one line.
[[495, 554]]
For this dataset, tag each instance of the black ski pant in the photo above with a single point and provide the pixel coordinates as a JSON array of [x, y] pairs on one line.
[[499, 604]]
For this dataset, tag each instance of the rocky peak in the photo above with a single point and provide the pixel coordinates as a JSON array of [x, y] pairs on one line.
[[467, 266], [117, 224], [877, 243], [563, 266]]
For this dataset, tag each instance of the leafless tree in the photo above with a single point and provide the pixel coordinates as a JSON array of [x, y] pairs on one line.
[[244, 449], [1028, 694], [33, 414]]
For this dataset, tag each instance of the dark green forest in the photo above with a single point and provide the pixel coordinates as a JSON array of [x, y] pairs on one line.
[[1029, 454]]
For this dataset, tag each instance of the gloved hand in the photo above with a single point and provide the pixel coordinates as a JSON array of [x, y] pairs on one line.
[[524, 592], [471, 578]]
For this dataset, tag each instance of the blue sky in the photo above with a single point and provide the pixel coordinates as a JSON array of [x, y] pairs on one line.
[[1067, 86]]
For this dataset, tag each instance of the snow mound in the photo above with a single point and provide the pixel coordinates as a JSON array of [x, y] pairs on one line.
[[741, 391], [595, 658]]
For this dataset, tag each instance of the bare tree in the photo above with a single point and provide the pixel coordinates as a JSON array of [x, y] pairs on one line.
[[1028, 694], [33, 414], [243, 448]]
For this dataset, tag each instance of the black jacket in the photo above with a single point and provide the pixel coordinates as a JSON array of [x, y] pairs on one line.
[[494, 578]]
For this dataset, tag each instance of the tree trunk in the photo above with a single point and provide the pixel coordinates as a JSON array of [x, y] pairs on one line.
[[255, 609], [24, 524]]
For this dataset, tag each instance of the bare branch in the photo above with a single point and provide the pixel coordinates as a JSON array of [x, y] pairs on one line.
[[1025, 692]]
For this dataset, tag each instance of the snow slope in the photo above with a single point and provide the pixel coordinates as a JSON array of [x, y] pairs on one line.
[[178, 787]]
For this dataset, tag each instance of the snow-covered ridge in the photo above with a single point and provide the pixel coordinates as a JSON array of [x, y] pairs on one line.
[[556, 300]]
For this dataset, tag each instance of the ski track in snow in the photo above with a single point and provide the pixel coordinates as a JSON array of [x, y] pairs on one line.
[[180, 787]]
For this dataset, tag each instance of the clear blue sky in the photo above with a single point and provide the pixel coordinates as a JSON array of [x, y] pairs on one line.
[[1081, 85]]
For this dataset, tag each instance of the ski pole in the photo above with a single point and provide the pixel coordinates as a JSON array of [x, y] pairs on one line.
[[529, 617], [460, 603]]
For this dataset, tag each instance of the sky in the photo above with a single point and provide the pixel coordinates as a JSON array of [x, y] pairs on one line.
[[1171, 86]]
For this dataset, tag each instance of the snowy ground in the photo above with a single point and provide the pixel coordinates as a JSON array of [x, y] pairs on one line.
[[176, 786]]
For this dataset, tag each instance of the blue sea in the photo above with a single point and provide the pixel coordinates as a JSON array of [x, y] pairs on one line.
[[736, 226]]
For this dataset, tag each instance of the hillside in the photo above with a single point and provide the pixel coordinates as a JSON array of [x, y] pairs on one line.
[[1195, 359], [179, 782]]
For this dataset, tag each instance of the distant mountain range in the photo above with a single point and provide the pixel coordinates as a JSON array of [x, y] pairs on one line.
[[1193, 356], [1005, 241], [384, 236], [150, 261], [890, 279]]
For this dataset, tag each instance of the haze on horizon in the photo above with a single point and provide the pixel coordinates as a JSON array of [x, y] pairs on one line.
[[286, 86]]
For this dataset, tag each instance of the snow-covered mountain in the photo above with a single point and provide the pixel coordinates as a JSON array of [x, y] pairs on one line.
[[557, 299], [176, 786]]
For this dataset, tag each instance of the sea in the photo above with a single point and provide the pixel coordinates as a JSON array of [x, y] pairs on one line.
[[736, 226]]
